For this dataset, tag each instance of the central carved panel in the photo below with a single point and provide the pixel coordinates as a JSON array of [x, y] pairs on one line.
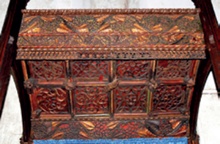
[[130, 99], [91, 100]]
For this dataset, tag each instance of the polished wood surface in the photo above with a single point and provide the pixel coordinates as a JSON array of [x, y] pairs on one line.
[[211, 31]]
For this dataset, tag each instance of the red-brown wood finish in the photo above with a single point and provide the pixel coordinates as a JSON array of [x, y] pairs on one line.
[[110, 74], [124, 107]]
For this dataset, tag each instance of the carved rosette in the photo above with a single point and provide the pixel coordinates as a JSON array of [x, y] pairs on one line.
[[91, 100], [130, 99]]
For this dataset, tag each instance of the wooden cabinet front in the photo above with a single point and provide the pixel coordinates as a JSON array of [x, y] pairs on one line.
[[94, 74]]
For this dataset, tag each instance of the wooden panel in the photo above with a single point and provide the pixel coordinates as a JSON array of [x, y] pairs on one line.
[[133, 70], [169, 99], [49, 101], [91, 100], [90, 70], [174, 69], [47, 70], [110, 129], [130, 99]]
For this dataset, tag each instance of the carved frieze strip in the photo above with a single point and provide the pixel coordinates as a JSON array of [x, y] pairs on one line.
[[84, 118], [158, 47], [110, 11], [109, 129], [51, 54], [128, 40]]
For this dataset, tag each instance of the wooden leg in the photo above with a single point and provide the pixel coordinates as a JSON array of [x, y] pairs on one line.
[[24, 100], [202, 75]]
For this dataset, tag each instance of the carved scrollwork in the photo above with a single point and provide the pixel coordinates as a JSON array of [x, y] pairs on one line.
[[91, 100], [130, 99], [170, 69], [50, 101], [47, 70], [169, 98], [136, 69]]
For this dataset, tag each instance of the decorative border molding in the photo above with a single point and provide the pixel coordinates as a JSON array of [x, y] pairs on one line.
[[110, 11], [108, 53]]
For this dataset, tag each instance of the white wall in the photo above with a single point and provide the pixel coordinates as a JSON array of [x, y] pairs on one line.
[[208, 123]]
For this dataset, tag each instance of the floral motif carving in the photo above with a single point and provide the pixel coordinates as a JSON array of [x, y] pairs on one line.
[[127, 70], [130, 99], [50, 101], [90, 69], [47, 70], [169, 69], [109, 129], [169, 98], [91, 100]]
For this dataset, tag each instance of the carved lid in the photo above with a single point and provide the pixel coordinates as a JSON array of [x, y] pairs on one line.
[[144, 32]]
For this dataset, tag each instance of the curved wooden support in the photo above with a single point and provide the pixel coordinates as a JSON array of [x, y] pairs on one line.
[[7, 56], [202, 75]]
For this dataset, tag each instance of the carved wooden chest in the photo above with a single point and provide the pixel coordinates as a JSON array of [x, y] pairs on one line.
[[110, 74]]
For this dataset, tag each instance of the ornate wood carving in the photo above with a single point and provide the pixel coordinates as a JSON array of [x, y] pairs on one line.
[[50, 101], [128, 70], [169, 98], [98, 70], [152, 52], [76, 35], [47, 70], [109, 129], [130, 99], [116, 75], [172, 69], [91, 100]]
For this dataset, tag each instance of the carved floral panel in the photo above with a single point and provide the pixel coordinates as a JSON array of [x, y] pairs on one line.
[[169, 98], [130, 99], [128, 70], [91, 100], [98, 70], [109, 129], [171, 69], [50, 100], [47, 70]]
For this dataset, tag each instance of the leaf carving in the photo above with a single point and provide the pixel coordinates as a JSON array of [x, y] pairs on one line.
[[84, 134], [58, 135], [112, 125], [88, 125], [143, 132], [54, 124]]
